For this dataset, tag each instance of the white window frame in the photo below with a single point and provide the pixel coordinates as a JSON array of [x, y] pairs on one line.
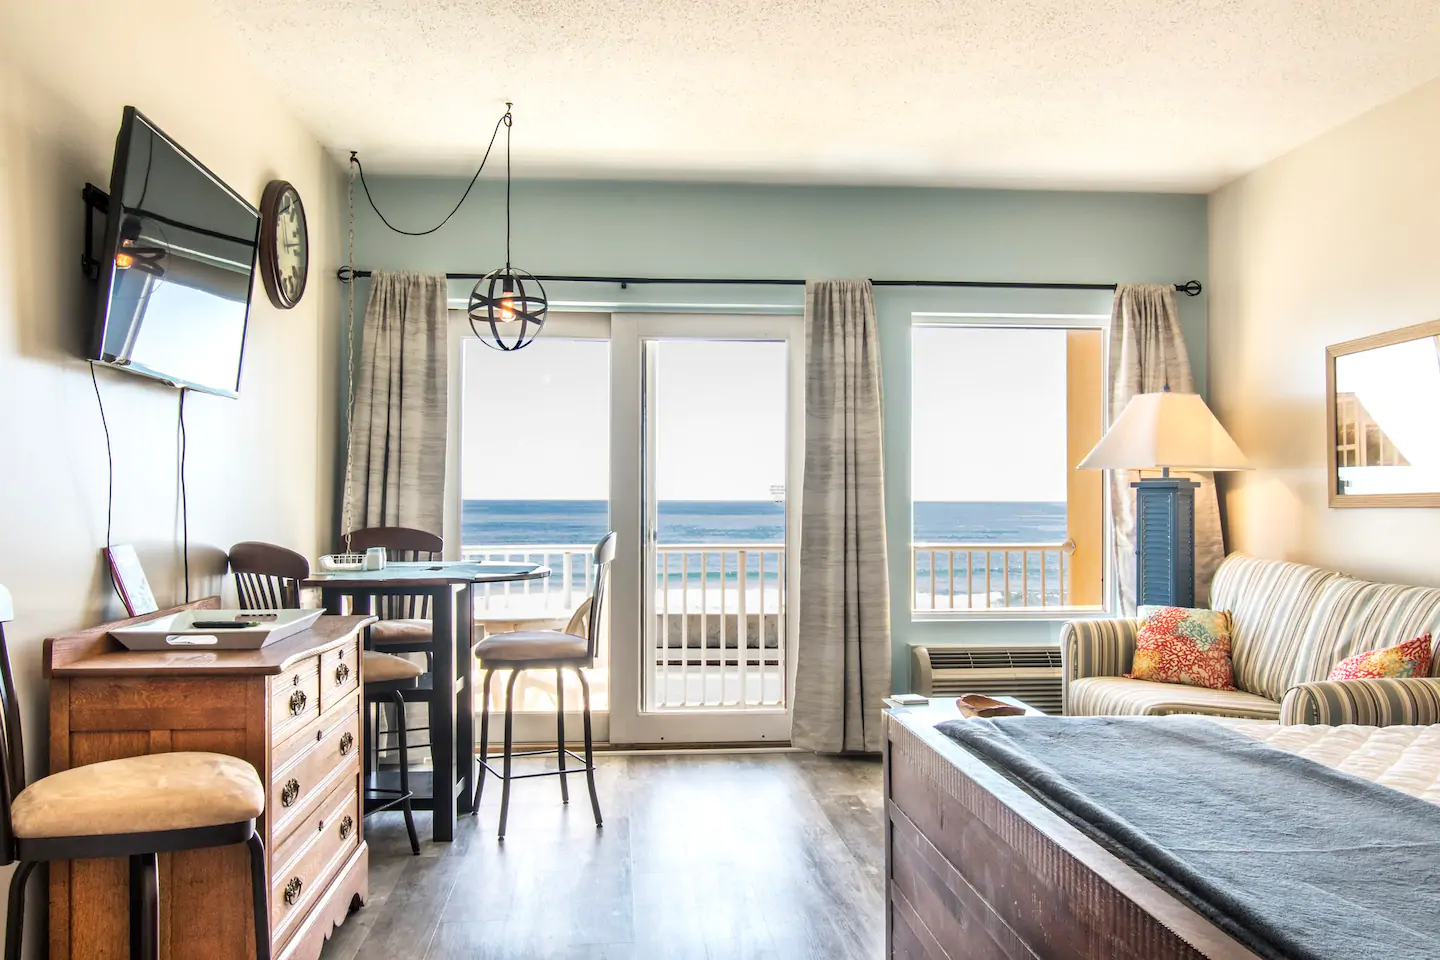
[[1023, 321]]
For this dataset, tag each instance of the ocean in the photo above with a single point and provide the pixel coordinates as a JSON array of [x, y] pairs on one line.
[[747, 521], [501, 523]]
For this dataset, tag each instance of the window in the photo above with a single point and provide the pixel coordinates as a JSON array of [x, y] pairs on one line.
[[1002, 411]]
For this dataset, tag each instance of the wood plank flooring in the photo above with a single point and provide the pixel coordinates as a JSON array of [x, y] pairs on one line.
[[714, 857]]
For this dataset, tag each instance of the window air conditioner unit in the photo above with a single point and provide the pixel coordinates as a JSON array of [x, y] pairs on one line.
[[1031, 674]]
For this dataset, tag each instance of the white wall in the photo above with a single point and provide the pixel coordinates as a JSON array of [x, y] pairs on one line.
[[67, 67], [1337, 240]]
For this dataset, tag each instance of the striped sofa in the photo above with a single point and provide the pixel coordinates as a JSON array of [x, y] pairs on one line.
[[1291, 625]]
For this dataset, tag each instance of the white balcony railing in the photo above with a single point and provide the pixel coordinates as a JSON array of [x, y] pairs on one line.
[[718, 640], [990, 576], [719, 637]]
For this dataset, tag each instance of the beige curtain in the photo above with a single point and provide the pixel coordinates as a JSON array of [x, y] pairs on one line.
[[395, 474], [843, 660], [1147, 354]]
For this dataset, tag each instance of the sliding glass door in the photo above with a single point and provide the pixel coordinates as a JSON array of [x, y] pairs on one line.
[[682, 434], [705, 450]]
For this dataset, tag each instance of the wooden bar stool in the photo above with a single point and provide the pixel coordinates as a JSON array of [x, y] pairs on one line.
[[137, 808], [267, 577], [386, 679], [404, 625], [571, 649]]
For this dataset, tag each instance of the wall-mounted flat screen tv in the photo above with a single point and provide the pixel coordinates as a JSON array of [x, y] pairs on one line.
[[177, 266]]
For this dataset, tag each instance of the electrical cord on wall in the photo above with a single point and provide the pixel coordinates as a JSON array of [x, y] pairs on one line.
[[109, 474], [184, 501], [355, 160]]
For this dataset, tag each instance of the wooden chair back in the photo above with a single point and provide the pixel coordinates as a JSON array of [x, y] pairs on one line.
[[402, 545], [604, 556], [267, 577], [12, 748]]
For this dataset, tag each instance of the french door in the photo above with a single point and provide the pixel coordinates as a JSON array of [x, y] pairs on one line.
[[682, 433], [704, 478]]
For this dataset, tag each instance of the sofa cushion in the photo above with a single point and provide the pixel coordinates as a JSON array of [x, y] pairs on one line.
[[1115, 696], [1351, 616], [1270, 604]]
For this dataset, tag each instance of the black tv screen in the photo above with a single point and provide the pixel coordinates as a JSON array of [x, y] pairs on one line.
[[176, 268]]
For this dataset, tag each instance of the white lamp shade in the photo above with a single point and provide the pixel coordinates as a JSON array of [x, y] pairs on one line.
[[1158, 430]]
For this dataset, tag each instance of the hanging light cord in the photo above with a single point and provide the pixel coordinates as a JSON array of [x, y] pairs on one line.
[[507, 120], [355, 159]]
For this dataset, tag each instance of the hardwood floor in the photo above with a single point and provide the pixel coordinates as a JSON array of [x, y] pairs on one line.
[[732, 857]]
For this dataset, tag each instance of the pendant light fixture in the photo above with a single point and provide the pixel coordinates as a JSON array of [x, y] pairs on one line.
[[507, 306]]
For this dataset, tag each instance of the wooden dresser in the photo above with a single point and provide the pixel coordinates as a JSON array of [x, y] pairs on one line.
[[293, 710]]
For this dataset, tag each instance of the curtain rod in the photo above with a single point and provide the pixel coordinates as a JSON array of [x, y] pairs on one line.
[[1191, 288]]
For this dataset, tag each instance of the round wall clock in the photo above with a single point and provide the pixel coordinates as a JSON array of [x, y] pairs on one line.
[[284, 244]]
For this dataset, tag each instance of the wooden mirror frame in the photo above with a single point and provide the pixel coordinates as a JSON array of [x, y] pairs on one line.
[[1338, 499]]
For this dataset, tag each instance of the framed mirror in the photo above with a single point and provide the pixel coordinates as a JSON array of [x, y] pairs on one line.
[[1383, 419]]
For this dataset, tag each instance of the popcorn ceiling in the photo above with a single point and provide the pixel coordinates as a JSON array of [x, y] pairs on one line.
[[1179, 95]]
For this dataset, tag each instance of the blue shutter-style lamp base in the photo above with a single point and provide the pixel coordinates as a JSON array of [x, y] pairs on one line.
[[1165, 541]]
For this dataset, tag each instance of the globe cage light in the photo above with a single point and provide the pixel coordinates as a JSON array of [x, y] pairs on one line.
[[507, 309], [515, 312]]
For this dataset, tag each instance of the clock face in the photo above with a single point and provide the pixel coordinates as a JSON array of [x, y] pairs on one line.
[[285, 244]]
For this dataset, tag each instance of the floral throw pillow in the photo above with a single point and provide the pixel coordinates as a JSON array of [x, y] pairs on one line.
[[1408, 659], [1181, 645]]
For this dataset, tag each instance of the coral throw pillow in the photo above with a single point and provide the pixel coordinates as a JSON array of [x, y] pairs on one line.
[[1408, 659], [1180, 645]]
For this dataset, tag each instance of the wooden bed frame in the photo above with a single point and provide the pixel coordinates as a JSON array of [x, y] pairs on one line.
[[977, 869]]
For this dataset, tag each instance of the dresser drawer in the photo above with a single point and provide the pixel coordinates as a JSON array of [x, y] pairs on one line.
[[339, 674], [311, 855], [332, 748], [294, 698]]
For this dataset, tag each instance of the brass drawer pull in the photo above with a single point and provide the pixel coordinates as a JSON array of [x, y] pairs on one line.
[[347, 827], [292, 890], [290, 793], [347, 743], [297, 703], [342, 673]]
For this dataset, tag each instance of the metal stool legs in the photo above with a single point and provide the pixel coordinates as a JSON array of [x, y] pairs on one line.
[[259, 896], [144, 907], [560, 732], [402, 739], [509, 748], [484, 740], [506, 772], [384, 797], [145, 904], [15, 917], [589, 750]]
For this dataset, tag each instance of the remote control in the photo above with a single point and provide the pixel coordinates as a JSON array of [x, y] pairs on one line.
[[223, 624]]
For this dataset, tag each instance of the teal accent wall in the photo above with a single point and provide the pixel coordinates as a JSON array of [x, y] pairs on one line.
[[732, 230]]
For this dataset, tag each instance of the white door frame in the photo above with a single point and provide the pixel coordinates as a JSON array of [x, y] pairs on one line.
[[530, 728], [629, 723]]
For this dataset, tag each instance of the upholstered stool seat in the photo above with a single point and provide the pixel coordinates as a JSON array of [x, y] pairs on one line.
[[380, 667], [162, 791], [402, 631], [134, 810], [532, 646]]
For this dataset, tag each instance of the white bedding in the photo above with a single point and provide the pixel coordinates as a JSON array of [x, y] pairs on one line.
[[1405, 758]]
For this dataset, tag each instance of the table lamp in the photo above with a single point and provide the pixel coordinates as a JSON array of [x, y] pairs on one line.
[[1165, 431]]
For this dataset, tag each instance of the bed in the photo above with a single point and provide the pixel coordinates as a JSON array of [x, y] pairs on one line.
[[979, 868]]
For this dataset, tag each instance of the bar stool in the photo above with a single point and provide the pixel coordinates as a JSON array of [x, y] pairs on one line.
[[386, 677], [267, 577], [404, 625], [571, 649], [137, 808]]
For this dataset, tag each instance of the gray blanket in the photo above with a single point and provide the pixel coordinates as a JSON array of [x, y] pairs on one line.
[[1292, 858]]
